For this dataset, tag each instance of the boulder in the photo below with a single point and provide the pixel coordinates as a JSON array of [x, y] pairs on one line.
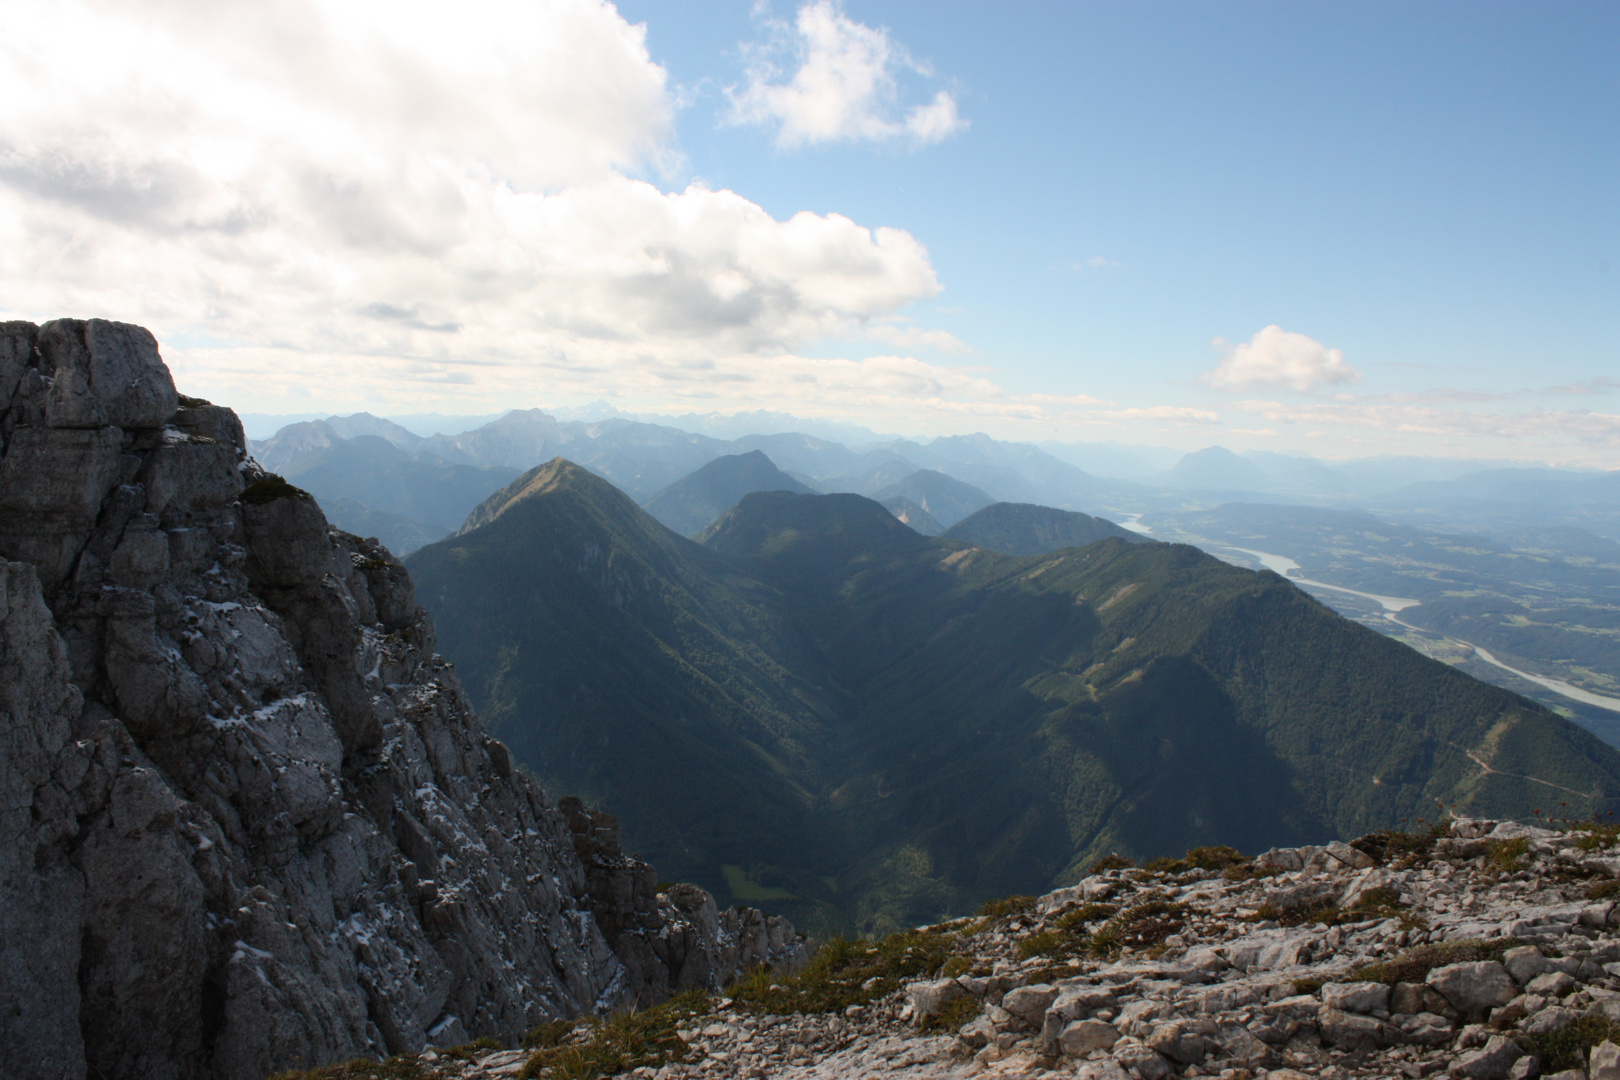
[[1551, 984], [1475, 987], [1029, 1003], [1604, 1063], [1548, 1020], [930, 998], [1491, 1062], [1083, 1036], [1179, 1041], [1358, 997], [1350, 1031], [1142, 1059], [1524, 962], [1354, 858]]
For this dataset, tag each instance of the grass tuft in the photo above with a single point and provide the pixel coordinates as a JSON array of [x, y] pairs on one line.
[[1110, 862], [1007, 905], [954, 1015], [850, 971], [269, 488], [1414, 965], [1204, 858], [1568, 1049], [629, 1040], [1507, 856]]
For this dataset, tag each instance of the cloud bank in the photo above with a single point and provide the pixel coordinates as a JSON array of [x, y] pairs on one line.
[[1278, 357], [846, 87], [395, 198]]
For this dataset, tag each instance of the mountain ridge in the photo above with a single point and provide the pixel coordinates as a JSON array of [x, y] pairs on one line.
[[1090, 699]]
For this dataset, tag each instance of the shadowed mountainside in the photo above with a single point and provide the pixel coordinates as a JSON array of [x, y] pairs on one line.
[[817, 706], [1026, 529]]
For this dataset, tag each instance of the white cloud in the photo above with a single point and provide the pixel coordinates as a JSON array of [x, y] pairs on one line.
[[1279, 357], [447, 192], [846, 87], [914, 337]]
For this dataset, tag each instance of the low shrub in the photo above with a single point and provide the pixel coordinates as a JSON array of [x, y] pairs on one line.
[[1507, 856], [1203, 858], [1043, 944], [1007, 905], [1568, 1049], [1110, 862], [849, 971], [629, 1040], [954, 1015], [1603, 890], [1414, 965]]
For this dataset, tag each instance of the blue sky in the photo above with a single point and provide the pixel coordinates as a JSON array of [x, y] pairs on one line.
[[1417, 199]]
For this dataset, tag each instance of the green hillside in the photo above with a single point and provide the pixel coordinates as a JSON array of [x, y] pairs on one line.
[[879, 728], [1027, 529]]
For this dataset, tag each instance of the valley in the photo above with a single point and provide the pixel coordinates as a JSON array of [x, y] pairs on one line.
[[1541, 618], [886, 728]]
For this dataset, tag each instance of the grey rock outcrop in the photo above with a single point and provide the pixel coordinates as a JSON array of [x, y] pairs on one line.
[[247, 817]]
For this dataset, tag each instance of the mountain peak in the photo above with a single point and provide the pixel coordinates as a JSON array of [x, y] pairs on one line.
[[1026, 529], [809, 532], [557, 474], [694, 501]]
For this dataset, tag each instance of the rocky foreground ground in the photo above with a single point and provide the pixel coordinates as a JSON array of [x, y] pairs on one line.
[[1480, 949]]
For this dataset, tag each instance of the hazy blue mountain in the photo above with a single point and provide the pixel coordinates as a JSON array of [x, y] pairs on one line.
[[872, 473], [692, 502], [947, 499], [1025, 529], [1215, 468], [796, 452], [380, 476], [363, 423], [293, 442]]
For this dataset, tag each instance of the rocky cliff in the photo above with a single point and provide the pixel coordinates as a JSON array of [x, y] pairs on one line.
[[247, 817]]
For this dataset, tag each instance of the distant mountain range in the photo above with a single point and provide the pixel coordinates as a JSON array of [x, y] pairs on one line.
[[814, 702], [643, 458]]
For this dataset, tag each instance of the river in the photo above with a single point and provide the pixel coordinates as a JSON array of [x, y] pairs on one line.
[[1393, 605]]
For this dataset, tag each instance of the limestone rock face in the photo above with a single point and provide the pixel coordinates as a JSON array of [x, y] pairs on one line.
[[247, 817]]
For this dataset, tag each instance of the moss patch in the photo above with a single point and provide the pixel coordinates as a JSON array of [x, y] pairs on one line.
[[269, 488]]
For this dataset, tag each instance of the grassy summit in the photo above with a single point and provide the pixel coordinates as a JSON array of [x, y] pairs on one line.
[[890, 727]]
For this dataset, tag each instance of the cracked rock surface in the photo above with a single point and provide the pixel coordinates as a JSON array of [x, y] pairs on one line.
[[248, 819]]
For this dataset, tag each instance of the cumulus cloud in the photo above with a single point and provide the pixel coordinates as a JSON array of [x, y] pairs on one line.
[[846, 87], [1278, 357], [449, 193]]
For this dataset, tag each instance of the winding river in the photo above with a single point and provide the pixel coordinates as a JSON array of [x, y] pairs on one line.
[[1394, 605]]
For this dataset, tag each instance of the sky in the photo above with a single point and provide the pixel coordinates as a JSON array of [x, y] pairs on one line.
[[1330, 229]]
